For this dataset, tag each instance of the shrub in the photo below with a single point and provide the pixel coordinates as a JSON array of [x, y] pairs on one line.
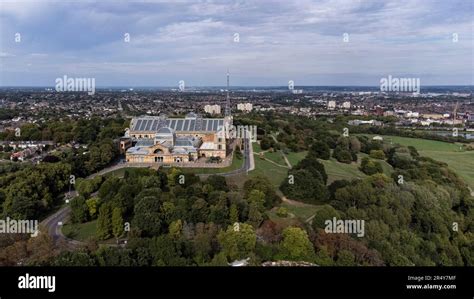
[[377, 154], [282, 212]]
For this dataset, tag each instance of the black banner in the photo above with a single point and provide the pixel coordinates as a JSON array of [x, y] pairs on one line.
[[291, 282]]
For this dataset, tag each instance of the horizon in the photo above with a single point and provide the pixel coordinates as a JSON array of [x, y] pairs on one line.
[[230, 87]]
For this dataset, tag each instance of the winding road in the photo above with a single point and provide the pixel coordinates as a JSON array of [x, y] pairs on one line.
[[53, 223]]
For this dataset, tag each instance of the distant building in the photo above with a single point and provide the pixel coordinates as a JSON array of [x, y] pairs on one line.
[[358, 122], [245, 107], [346, 105], [358, 112], [410, 114], [331, 105], [24, 154], [433, 116], [379, 110], [212, 109]]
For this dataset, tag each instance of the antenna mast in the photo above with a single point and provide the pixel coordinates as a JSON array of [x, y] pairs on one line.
[[227, 104]]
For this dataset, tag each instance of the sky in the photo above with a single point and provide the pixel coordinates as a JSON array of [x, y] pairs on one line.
[[262, 43]]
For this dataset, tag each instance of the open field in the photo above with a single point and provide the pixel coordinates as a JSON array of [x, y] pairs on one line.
[[80, 232], [276, 157], [302, 211], [458, 159], [270, 155], [297, 213], [273, 172], [256, 147], [341, 171], [294, 158]]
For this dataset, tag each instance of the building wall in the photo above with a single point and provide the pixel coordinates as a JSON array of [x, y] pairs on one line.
[[150, 158]]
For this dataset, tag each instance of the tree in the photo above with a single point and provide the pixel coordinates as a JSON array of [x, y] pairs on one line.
[[323, 258], [237, 243], [73, 258], [84, 187], [109, 188], [377, 154], [257, 197], [345, 258], [104, 222], [354, 144], [166, 252], [342, 155], [148, 216], [199, 210], [264, 185], [175, 229], [219, 213], [312, 164], [234, 214], [204, 241], [117, 222], [218, 183], [296, 245], [79, 210], [334, 186], [282, 212], [256, 200], [326, 212], [304, 187], [320, 150], [173, 176], [92, 204], [266, 143], [255, 216], [370, 167]]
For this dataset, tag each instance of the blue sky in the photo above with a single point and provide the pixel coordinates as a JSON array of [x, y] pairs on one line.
[[278, 41]]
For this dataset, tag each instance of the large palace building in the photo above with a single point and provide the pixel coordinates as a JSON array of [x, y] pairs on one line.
[[159, 139]]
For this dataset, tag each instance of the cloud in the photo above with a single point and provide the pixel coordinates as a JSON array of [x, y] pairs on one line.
[[278, 39]]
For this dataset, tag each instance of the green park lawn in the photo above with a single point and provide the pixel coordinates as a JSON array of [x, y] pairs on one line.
[[458, 159], [297, 214], [341, 171], [276, 157], [294, 158], [274, 173], [302, 211], [80, 232], [256, 147]]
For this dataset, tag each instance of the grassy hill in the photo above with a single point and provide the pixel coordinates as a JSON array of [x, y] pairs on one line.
[[458, 159], [341, 171]]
